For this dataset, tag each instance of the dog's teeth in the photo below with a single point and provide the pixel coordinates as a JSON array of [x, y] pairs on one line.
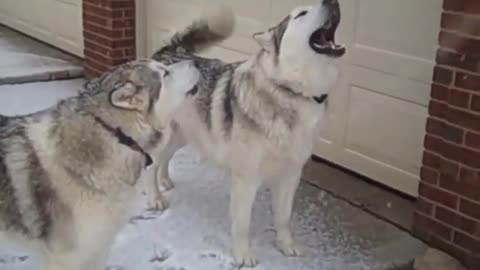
[[320, 46]]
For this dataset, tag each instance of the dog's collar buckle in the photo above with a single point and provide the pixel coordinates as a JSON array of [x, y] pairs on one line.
[[125, 140], [320, 99]]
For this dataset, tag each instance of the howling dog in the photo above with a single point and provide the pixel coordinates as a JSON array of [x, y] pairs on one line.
[[257, 118]]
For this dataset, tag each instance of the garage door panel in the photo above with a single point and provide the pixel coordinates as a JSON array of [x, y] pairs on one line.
[[392, 63], [165, 13], [164, 18], [40, 23], [257, 11], [396, 37], [226, 54], [241, 43], [18, 14], [401, 24], [379, 107], [58, 22], [164, 21], [156, 39], [284, 7], [68, 32], [326, 135], [71, 2], [390, 176], [380, 127], [391, 85], [21, 10]]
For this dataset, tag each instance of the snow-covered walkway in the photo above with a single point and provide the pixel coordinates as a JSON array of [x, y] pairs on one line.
[[26, 60], [194, 233]]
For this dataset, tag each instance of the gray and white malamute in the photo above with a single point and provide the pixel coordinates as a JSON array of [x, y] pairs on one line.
[[259, 118], [68, 173]]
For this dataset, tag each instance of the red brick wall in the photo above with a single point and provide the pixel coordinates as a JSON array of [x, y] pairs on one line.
[[109, 34], [448, 208]]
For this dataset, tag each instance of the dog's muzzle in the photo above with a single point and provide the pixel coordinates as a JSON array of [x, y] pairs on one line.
[[322, 40]]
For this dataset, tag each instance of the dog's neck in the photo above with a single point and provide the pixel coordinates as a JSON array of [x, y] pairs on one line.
[[266, 65], [124, 139], [318, 99]]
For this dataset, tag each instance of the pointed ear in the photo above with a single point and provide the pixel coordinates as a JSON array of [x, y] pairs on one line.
[[264, 39], [129, 97]]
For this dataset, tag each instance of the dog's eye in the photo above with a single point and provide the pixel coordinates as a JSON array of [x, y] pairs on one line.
[[303, 13]]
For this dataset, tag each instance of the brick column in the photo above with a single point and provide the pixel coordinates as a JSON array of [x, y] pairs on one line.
[[109, 34], [448, 209]]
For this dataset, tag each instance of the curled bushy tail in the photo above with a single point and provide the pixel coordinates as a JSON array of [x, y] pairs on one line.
[[212, 28]]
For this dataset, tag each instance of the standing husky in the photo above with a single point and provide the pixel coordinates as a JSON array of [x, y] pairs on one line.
[[68, 174], [259, 118]]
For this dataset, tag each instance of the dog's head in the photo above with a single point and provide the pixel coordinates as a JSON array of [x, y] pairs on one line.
[[302, 48], [150, 88]]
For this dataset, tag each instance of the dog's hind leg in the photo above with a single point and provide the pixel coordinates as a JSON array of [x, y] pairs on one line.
[[242, 197], [283, 192]]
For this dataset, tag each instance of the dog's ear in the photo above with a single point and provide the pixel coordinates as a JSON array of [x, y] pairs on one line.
[[264, 39], [129, 97]]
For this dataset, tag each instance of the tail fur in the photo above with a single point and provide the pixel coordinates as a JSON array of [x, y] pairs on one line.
[[214, 27]]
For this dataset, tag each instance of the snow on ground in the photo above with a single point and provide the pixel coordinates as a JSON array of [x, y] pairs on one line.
[[193, 234], [16, 66], [24, 59], [30, 97]]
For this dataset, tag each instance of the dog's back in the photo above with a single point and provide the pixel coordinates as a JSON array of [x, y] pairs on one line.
[[25, 191]]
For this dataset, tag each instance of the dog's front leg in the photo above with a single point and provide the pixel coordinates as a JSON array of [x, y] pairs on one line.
[[159, 175], [283, 193], [156, 200], [242, 196]]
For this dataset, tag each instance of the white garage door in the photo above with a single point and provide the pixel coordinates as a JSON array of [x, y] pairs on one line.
[[57, 22], [378, 110]]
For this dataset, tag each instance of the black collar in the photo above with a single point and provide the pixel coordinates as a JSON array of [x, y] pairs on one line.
[[320, 99], [125, 139]]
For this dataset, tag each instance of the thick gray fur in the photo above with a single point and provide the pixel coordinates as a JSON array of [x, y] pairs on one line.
[[66, 183]]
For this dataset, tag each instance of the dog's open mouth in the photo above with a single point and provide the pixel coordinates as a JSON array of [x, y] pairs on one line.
[[322, 41]]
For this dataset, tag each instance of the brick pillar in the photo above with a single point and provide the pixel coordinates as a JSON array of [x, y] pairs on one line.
[[448, 208], [109, 34]]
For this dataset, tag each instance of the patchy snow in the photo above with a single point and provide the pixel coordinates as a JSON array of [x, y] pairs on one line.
[[193, 234], [24, 59], [26, 98]]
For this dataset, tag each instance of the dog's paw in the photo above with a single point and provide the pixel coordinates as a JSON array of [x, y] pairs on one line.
[[245, 259], [166, 183], [158, 203], [290, 249]]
